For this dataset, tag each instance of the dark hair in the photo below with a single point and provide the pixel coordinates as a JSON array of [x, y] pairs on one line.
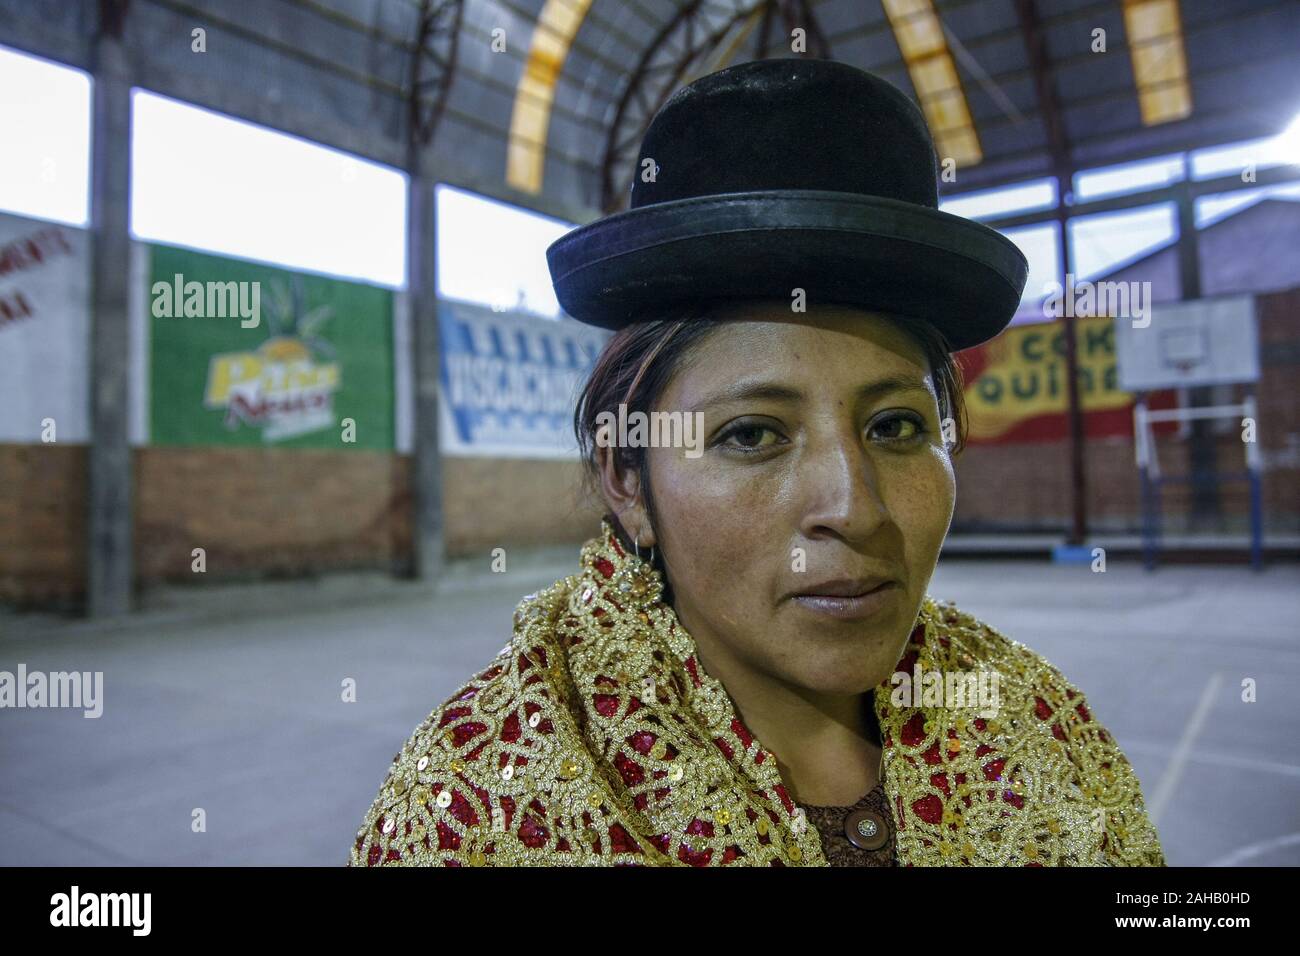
[[637, 363]]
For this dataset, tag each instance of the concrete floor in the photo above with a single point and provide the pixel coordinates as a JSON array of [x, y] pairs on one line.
[[221, 700]]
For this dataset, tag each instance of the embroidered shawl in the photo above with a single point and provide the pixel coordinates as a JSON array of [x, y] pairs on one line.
[[596, 738]]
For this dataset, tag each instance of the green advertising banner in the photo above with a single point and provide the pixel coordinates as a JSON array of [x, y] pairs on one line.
[[248, 354]]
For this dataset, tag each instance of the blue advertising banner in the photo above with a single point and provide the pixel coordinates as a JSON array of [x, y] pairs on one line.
[[510, 381]]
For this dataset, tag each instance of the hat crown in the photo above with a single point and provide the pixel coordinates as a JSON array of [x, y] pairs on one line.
[[788, 124]]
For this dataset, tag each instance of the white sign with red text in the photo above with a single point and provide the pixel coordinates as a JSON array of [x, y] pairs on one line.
[[44, 331]]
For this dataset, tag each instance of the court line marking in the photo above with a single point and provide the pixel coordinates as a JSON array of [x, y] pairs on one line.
[[1214, 757], [1169, 782], [1238, 856]]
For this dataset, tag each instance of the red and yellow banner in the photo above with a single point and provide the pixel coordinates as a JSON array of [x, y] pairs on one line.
[[1016, 389]]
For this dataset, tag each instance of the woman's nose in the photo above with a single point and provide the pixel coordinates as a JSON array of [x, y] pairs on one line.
[[840, 492]]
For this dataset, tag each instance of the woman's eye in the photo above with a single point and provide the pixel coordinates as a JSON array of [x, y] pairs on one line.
[[749, 437], [896, 428]]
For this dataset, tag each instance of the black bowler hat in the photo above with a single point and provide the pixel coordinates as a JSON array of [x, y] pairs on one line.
[[783, 174]]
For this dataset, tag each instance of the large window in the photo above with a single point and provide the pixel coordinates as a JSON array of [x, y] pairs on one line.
[[1235, 158], [494, 254], [1041, 245], [1212, 209], [45, 156], [1105, 242], [207, 181], [1002, 201], [1128, 177]]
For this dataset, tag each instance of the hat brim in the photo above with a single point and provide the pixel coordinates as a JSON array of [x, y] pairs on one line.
[[960, 276]]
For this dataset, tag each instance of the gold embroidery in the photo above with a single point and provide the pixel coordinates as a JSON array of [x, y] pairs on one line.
[[596, 738]]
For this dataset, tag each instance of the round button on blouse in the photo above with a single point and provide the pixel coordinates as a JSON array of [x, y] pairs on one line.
[[866, 829]]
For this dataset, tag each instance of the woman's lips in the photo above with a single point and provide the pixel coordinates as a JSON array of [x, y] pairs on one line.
[[849, 607]]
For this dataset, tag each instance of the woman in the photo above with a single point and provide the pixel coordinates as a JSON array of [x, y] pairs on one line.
[[747, 668]]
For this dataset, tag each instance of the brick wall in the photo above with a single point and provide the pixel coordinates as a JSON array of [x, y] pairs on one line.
[[259, 512], [268, 512], [42, 525], [1026, 487], [494, 503]]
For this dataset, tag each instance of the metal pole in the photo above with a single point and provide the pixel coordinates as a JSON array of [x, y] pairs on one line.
[[1253, 469], [1144, 450], [428, 535], [1074, 410], [109, 558], [1201, 452]]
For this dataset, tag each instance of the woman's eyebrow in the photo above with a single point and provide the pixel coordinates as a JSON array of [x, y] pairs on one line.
[[749, 391], [893, 383], [772, 391]]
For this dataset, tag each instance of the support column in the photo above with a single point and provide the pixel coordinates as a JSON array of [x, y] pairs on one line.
[[428, 536], [110, 561]]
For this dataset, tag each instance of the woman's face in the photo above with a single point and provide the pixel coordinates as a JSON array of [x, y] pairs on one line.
[[802, 541]]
